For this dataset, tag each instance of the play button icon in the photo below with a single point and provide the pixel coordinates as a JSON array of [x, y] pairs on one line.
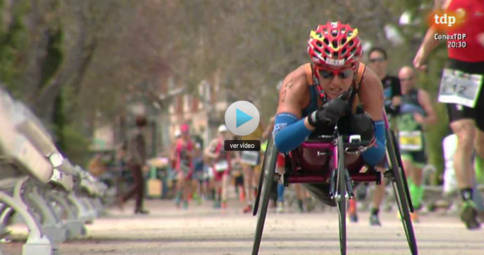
[[242, 118]]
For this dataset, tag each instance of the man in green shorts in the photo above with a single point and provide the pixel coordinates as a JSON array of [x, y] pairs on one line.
[[416, 112]]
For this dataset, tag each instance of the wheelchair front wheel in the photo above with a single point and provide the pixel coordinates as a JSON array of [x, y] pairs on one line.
[[341, 195], [266, 193], [400, 192], [261, 177]]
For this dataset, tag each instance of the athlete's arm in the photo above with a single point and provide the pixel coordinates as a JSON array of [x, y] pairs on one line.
[[269, 128], [427, 46], [289, 129], [208, 151], [396, 97], [429, 43], [424, 100], [371, 95]]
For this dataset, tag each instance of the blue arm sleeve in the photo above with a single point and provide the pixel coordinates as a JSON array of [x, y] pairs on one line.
[[374, 155], [289, 132]]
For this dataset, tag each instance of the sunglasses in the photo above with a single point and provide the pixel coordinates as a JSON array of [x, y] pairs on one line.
[[377, 60], [406, 79], [342, 74]]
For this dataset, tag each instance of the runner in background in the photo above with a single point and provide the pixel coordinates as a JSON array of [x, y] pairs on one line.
[[378, 58], [416, 113], [183, 165], [199, 191], [461, 90], [221, 162], [249, 160]]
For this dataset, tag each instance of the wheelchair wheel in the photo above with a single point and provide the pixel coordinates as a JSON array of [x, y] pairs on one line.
[[400, 164], [400, 192], [341, 198], [261, 178], [266, 193]]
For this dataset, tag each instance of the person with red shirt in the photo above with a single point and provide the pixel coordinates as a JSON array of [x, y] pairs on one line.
[[461, 89], [182, 155]]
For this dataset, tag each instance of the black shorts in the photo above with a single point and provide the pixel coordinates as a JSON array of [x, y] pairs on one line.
[[458, 112], [239, 180], [417, 157]]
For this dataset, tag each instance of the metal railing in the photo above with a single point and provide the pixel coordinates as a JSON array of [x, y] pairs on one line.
[[53, 197]]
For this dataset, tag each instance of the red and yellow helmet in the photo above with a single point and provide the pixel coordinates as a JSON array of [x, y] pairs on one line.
[[334, 45]]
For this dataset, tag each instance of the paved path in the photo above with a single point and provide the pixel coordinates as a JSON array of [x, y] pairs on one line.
[[202, 230]]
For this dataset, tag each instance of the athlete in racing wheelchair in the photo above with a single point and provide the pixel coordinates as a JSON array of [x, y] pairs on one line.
[[330, 122]]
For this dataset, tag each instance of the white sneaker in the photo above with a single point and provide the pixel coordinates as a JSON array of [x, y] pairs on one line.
[[280, 207]]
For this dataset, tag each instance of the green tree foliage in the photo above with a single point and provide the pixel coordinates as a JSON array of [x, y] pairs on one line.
[[77, 63], [54, 56], [13, 40]]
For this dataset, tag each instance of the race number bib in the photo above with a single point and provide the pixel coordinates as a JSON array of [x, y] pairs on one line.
[[221, 166], [411, 140], [457, 87], [250, 157]]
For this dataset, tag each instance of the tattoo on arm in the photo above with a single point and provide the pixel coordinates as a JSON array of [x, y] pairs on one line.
[[286, 88]]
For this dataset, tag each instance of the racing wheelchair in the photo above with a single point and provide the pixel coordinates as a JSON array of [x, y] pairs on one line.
[[334, 161]]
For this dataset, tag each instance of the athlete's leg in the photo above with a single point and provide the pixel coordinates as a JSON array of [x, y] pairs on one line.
[[378, 197], [217, 186], [419, 160], [418, 191], [256, 174], [187, 190], [414, 182], [300, 194], [465, 173], [248, 177], [179, 187], [466, 133], [407, 165], [225, 188], [479, 160], [249, 189]]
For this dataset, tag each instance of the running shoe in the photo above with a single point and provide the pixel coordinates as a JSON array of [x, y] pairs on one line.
[[352, 215], [469, 215], [374, 220], [280, 207]]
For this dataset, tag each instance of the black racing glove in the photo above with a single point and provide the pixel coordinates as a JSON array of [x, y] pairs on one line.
[[357, 124], [364, 126], [330, 112]]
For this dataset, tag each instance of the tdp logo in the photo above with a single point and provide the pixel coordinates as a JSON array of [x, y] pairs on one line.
[[445, 20]]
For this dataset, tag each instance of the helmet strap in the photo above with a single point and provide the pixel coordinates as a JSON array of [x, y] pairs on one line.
[[320, 90]]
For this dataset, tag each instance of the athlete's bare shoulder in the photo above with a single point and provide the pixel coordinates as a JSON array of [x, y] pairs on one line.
[[294, 91], [371, 94], [296, 79]]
